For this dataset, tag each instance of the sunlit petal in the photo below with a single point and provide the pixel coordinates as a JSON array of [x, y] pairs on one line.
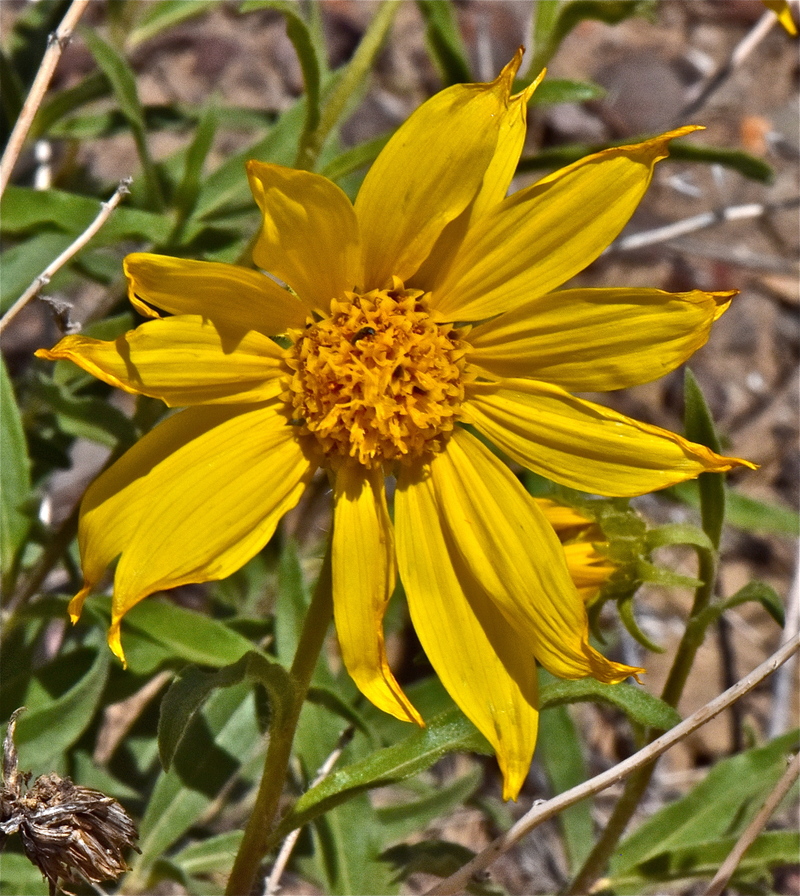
[[511, 553], [539, 237], [363, 580], [181, 360], [309, 236], [482, 661], [584, 445], [233, 298], [191, 502], [429, 172], [595, 340]]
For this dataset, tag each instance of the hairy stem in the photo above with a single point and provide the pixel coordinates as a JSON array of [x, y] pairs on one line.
[[256, 835]]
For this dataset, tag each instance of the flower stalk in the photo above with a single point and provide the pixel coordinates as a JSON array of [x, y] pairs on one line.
[[256, 836]]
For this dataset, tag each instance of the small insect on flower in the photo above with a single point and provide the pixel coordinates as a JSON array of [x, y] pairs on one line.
[[362, 333]]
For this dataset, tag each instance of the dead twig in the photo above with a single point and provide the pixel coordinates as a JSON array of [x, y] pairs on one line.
[[540, 813], [740, 52], [699, 222], [44, 278], [55, 46]]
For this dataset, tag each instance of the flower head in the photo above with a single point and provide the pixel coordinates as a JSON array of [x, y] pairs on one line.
[[381, 377]]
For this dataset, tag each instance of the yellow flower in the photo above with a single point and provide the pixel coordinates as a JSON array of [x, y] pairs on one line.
[[381, 374], [580, 537]]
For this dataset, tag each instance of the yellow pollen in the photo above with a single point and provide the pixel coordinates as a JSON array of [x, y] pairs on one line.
[[378, 380]]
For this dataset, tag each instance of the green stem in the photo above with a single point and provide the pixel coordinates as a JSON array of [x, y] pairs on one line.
[[351, 80], [636, 785], [256, 836]]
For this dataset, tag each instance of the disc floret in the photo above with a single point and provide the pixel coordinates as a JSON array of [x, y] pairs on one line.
[[378, 380]]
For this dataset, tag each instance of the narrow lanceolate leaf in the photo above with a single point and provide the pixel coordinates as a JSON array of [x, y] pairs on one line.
[[700, 428], [446, 734], [444, 41], [192, 688], [15, 475], [720, 806], [636, 703], [302, 39], [123, 83]]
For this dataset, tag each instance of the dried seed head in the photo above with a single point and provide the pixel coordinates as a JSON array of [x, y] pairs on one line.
[[70, 833]]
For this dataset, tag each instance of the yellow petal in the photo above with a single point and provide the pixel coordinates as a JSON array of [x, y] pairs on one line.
[[496, 181], [496, 532], [429, 172], [560, 516], [309, 236], [538, 238], [232, 297], [588, 569], [481, 660], [181, 360], [363, 580], [595, 340], [584, 445], [784, 13], [192, 501]]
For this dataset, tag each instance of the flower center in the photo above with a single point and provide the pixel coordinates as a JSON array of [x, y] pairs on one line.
[[378, 380]]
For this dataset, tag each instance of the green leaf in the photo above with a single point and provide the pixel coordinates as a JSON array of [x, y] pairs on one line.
[[212, 855], [123, 83], [187, 190], [743, 512], [156, 631], [400, 820], [752, 592], [636, 703], [625, 609], [352, 159], [227, 188], [721, 805], [22, 264], [677, 533], [26, 210], [444, 734], [46, 731], [748, 166], [703, 859], [19, 875], [561, 90], [157, 17], [679, 151], [347, 844], [192, 687], [15, 475], [559, 23], [90, 418], [444, 41], [438, 857], [307, 53], [558, 748], [699, 427], [222, 740]]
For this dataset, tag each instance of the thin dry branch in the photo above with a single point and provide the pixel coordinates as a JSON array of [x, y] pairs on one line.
[[740, 52], [55, 46], [700, 222], [731, 863], [44, 278], [542, 812]]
